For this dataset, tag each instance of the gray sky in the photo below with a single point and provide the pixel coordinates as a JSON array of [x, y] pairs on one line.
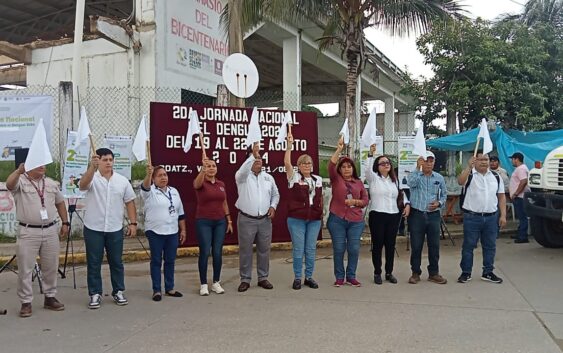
[[402, 51]]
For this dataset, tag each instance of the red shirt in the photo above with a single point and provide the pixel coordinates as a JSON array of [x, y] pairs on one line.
[[210, 198], [340, 190]]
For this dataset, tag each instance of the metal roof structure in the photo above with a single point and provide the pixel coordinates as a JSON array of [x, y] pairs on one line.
[[25, 21]]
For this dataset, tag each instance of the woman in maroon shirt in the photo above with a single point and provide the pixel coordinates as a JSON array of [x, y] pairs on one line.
[[212, 222], [346, 220]]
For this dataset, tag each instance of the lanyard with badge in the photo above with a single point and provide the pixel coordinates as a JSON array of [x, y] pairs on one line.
[[171, 208], [41, 193]]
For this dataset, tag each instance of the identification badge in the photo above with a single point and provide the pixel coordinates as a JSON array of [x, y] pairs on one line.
[[43, 213], [171, 210]]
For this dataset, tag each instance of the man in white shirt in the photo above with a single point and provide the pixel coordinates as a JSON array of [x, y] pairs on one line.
[[106, 194], [257, 202], [483, 198]]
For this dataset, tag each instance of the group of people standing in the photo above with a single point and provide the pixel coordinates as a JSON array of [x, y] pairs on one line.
[[109, 195]]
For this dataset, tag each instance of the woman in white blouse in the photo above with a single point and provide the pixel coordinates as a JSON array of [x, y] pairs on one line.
[[384, 215], [164, 216]]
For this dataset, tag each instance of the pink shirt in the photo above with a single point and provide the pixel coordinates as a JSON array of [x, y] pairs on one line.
[[519, 174], [340, 190]]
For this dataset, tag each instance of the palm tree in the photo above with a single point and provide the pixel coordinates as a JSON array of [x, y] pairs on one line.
[[543, 11], [344, 22]]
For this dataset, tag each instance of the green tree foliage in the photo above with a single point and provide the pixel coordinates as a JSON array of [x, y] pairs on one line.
[[508, 71]]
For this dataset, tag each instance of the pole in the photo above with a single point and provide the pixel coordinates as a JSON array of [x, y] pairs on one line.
[[92, 146], [476, 147], [76, 56], [149, 152]]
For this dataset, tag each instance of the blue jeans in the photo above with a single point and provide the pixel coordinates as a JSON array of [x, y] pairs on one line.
[[421, 225], [160, 244], [518, 203], [304, 242], [345, 236], [210, 237], [95, 243], [475, 228]]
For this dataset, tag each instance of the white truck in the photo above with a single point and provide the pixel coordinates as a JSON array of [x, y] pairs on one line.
[[544, 204]]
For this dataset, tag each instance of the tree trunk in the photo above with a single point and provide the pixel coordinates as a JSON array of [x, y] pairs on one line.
[[351, 85], [235, 41]]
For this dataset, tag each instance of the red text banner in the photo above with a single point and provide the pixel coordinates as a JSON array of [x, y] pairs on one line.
[[224, 130]]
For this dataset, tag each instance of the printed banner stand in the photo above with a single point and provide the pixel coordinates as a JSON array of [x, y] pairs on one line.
[[75, 165], [407, 159]]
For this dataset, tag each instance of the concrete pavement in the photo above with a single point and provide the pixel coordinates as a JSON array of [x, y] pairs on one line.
[[524, 314]]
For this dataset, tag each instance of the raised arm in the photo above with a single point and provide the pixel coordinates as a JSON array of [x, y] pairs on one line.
[[246, 168], [87, 177], [148, 178], [14, 177], [198, 181], [370, 175], [462, 178], [332, 173], [414, 177], [287, 157]]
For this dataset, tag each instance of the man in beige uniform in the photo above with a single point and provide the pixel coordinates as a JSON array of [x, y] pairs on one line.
[[38, 200]]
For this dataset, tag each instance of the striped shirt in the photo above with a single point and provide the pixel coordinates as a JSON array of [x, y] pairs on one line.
[[426, 189]]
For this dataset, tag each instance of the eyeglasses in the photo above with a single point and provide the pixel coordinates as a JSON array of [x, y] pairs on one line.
[[305, 163], [384, 164]]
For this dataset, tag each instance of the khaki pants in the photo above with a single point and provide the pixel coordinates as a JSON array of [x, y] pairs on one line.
[[30, 243]]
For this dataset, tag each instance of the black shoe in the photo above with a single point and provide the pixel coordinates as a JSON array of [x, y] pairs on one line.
[[311, 283], [491, 277], [390, 278], [157, 296], [377, 279], [521, 241], [296, 284], [174, 294], [464, 278]]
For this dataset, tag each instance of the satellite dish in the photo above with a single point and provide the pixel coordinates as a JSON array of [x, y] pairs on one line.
[[240, 75]]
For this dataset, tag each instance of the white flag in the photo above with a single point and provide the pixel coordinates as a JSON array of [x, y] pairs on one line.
[[83, 128], [282, 133], [369, 135], [39, 153], [254, 133], [140, 144], [484, 133], [420, 143], [345, 132], [193, 129]]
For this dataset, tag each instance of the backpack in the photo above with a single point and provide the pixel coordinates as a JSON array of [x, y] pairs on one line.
[[464, 189]]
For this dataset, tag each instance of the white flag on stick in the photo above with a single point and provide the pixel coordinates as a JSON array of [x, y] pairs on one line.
[[83, 128], [39, 153], [369, 135], [484, 133], [345, 132], [282, 133], [140, 144], [193, 129], [420, 143], [254, 132]]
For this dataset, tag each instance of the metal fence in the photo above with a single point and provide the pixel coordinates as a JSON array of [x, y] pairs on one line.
[[118, 110]]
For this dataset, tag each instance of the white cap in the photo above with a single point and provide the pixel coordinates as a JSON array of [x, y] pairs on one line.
[[429, 154]]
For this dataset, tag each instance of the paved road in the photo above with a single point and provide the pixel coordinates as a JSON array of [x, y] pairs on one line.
[[524, 314]]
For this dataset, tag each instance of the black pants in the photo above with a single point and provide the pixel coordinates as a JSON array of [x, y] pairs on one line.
[[383, 228]]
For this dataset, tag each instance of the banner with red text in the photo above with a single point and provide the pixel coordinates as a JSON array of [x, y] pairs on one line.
[[224, 130], [191, 46]]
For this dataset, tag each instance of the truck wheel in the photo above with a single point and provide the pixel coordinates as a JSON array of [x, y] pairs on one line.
[[554, 232], [539, 233]]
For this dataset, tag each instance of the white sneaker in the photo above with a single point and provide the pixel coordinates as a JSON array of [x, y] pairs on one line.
[[95, 301], [119, 298], [216, 287], [203, 290]]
